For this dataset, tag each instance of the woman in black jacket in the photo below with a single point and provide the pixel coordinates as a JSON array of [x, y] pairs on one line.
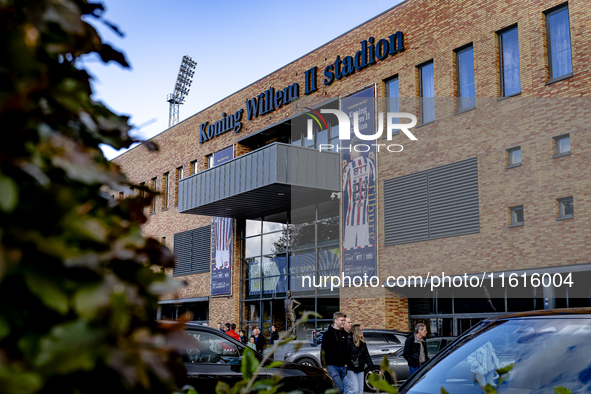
[[359, 360]]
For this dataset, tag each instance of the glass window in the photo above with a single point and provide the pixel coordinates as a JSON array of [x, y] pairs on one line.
[[566, 207], [562, 144], [334, 137], [514, 156], [392, 100], [209, 161], [253, 227], [275, 242], [509, 61], [559, 51], [374, 337], [392, 338], [165, 193], [427, 93], [465, 78], [194, 167], [517, 215], [154, 189], [252, 247]]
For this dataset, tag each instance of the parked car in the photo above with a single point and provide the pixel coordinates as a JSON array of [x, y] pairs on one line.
[[214, 356], [548, 348], [379, 342], [399, 365], [317, 341]]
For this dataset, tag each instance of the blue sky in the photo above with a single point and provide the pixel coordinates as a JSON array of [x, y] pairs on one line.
[[233, 42]]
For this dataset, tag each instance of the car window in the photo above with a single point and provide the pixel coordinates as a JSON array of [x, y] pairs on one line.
[[546, 353], [208, 348], [374, 337], [392, 339], [433, 346]]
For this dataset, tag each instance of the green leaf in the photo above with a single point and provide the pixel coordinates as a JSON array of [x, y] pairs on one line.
[[376, 381], [8, 194], [385, 364], [443, 391], [505, 370], [222, 388], [562, 390], [489, 389], [188, 389], [48, 291], [249, 364], [17, 382], [4, 328]]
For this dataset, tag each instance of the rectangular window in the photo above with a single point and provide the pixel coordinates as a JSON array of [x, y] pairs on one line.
[[164, 241], [194, 167], [427, 93], [514, 157], [562, 144], [179, 176], [192, 251], [154, 191], [465, 78], [392, 99], [566, 208], [142, 190], [121, 196], [516, 215], [559, 52], [165, 190], [436, 203], [509, 62], [209, 161]]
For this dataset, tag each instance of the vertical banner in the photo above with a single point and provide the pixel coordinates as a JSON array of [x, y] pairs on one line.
[[359, 194], [221, 264]]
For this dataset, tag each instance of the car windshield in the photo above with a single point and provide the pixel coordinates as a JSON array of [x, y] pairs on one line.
[[546, 353], [210, 348]]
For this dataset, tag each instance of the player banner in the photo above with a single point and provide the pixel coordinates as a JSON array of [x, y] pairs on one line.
[[359, 193], [221, 256]]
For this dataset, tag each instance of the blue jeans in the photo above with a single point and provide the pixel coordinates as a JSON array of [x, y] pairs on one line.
[[355, 382], [413, 370], [338, 375]]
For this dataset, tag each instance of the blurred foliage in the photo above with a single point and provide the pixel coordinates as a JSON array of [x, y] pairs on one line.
[[78, 288]]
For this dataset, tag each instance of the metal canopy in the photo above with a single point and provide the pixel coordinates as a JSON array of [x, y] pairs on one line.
[[274, 178]]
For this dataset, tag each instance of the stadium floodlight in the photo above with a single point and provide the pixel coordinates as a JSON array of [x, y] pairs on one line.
[[181, 89]]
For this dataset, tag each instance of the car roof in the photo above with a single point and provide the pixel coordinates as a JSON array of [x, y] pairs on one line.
[[546, 313], [386, 331]]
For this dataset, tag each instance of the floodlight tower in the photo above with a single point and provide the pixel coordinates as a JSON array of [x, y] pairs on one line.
[[181, 89]]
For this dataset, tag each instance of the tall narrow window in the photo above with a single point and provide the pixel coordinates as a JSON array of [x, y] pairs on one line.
[[142, 191], [427, 93], [165, 190], [154, 190], [121, 196], [559, 51], [509, 61], [209, 161], [179, 176], [392, 102], [194, 167], [465, 78]]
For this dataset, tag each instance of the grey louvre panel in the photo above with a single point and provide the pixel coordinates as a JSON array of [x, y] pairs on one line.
[[440, 202], [192, 251], [406, 209], [453, 199], [201, 254], [182, 252]]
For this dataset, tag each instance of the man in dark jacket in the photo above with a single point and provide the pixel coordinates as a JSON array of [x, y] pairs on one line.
[[259, 339], [335, 350], [415, 349]]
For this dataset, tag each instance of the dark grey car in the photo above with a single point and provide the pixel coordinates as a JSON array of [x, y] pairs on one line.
[[399, 365], [379, 343]]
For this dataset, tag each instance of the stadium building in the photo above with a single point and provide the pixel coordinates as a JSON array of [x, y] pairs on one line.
[[260, 195]]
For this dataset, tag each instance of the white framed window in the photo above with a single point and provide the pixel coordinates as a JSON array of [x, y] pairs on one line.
[[562, 145], [566, 208], [517, 216], [514, 157]]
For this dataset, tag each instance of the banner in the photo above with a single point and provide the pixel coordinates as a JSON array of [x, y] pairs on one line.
[[223, 156], [359, 193], [221, 256]]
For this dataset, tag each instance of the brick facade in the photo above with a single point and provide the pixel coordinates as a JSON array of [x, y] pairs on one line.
[[432, 31]]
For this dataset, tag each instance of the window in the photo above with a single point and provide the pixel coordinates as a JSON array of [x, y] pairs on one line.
[[465, 78], [165, 189], [514, 157], [392, 103], [509, 62], [154, 190], [209, 161], [566, 208], [559, 52], [436, 203], [121, 196], [427, 93], [179, 176], [192, 251], [562, 144], [516, 216], [209, 348], [194, 167], [164, 241]]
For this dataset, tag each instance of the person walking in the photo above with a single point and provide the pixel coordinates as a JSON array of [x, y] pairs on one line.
[[335, 351], [259, 340], [251, 343], [243, 337], [359, 359], [232, 332], [415, 349], [274, 335], [348, 324], [220, 327]]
